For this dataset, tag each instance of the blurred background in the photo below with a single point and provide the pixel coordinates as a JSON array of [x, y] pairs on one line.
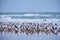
[[15, 11], [29, 6]]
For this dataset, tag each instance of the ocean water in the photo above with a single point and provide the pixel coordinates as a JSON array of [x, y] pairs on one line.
[[53, 17], [30, 16]]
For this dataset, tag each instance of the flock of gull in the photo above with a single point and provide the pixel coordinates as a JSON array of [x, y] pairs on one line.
[[30, 28]]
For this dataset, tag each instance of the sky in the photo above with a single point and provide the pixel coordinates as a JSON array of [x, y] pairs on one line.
[[29, 6]]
